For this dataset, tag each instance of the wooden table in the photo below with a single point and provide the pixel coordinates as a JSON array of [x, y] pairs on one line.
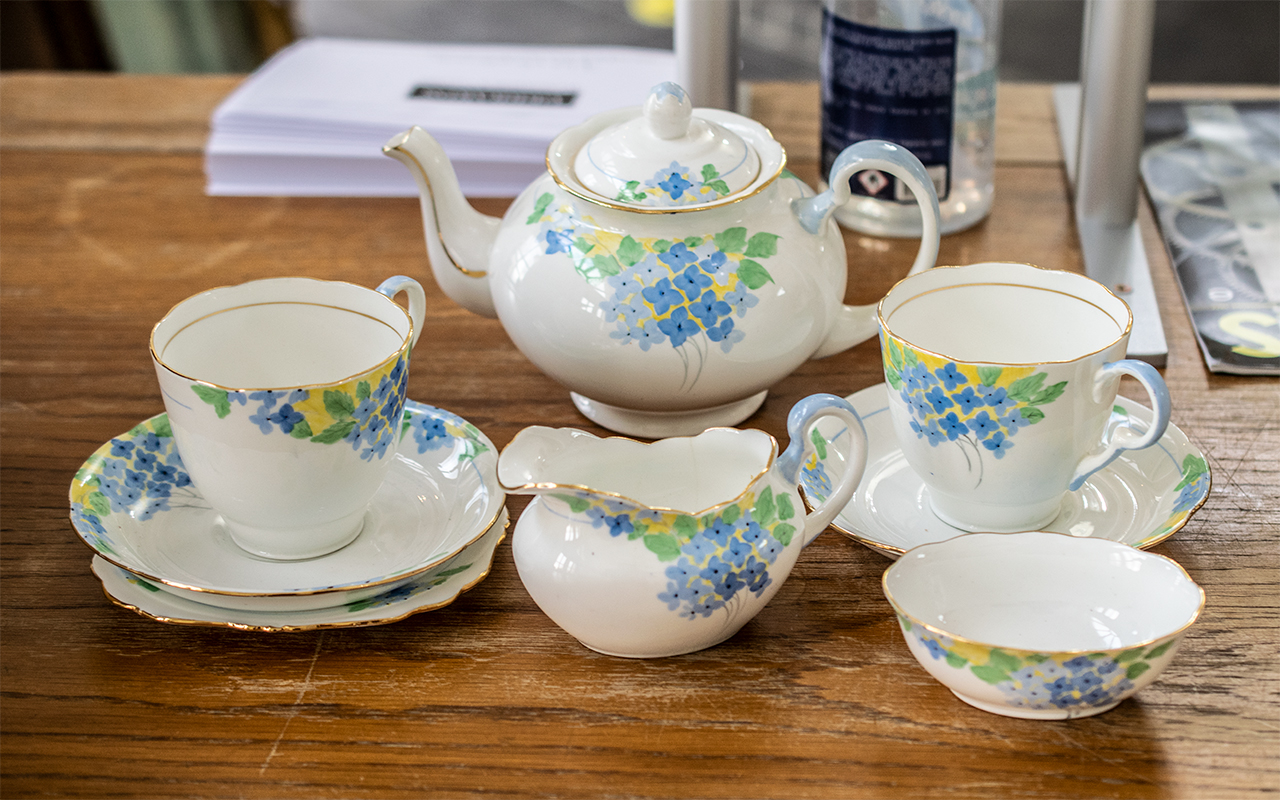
[[104, 225]]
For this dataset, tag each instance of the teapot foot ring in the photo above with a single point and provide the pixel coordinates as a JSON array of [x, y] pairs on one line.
[[661, 424]]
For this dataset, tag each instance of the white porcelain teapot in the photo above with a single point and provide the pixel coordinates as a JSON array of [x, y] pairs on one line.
[[667, 268]]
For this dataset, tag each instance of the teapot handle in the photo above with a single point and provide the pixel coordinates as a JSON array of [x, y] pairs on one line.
[[800, 424], [813, 212]]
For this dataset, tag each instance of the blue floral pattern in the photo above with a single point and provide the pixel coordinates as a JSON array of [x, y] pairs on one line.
[[358, 412], [676, 185], [713, 559], [1039, 681], [979, 408], [691, 293]]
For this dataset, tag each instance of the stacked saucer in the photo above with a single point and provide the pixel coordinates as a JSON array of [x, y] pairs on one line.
[[429, 534]]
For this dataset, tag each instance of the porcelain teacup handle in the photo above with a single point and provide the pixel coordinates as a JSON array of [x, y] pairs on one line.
[[417, 300], [813, 212], [1126, 437], [800, 422]]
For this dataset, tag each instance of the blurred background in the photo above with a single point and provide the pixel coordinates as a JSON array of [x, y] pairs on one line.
[[1196, 41]]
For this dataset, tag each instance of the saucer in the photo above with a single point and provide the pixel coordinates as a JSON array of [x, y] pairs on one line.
[[435, 588], [135, 506], [1140, 499]]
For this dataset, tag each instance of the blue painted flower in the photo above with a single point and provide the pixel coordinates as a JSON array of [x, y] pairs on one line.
[[983, 425], [121, 448], [662, 296], [725, 334], [1001, 401], [722, 578], [737, 552], [678, 257], [150, 506], [938, 399], [935, 434], [952, 425], [717, 266], [1013, 421], [699, 547], [678, 326], [720, 531], [144, 459], [1078, 664], [149, 441], [366, 409], [740, 299], [648, 272], [968, 400], [708, 309], [936, 650], [429, 432], [1188, 497], [267, 397], [998, 443], [624, 285], [559, 241], [675, 184], [756, 574], [286, 418], [692, 281], [951, 376]]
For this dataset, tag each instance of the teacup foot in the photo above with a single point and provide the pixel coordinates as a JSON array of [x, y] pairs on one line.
[[663, 424], [1073, 712], [289, 544]]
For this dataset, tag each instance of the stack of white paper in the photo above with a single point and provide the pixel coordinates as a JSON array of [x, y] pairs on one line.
[[313, 119]]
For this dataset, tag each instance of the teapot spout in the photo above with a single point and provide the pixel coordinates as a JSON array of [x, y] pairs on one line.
[[461, 264]]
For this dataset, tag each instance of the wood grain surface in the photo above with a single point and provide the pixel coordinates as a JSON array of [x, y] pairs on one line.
[[104, 225]]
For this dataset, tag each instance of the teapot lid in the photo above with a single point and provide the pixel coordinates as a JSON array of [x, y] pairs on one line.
[[665, 156]]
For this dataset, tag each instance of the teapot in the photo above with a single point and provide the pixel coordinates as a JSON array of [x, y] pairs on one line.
[[655, 549], [667, 268]]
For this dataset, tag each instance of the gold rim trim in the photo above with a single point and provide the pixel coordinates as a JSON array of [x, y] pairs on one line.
[[417, 570], [884, 322], [405, 346], [897, 606], [541, 487], [426, 181], [198, 623]]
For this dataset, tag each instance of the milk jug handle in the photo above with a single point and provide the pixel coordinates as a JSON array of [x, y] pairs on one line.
[[800, 423], [417, 300], [813, 212]]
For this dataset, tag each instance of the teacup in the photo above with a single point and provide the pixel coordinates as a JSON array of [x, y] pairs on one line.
[[285, 396], [1001, 381]]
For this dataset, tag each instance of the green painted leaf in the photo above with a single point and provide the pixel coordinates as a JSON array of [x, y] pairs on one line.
[[708, 520], [786, 173], [909, 357], [363, 390], [752, 274], [732, 240], [765, 509], [1037, 658], [661, 246], [1024, 389], [1159, 650], [904, 622], [1050, 394], [1129, 655], [990, 674], [1003, 660], [664, 545], [719, 187], [1032, 415], [340, 405], [819, 443], [892, 376], [583, 246], [685, 527], [989, 375], [214, 397], [162, 427], [1119, 410], [99, 504], [955, 660], [606, 265], [785, 508], [630, 252], [302, 430], [539, 208], [709, 173], [576, 504], [895, 354], [1192, 468], [1136, 668], [784, 532], [731, 514], [762, 245], [335, 432], [445, 573], [693, 241]]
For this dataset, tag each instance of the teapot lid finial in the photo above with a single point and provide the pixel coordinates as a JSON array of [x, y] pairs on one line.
[[666, 156], [668, 111]]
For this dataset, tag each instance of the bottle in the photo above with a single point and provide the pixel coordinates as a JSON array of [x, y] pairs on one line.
[[922, 74]]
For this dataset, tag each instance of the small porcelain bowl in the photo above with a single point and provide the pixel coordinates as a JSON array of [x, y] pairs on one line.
[[1041, 625]]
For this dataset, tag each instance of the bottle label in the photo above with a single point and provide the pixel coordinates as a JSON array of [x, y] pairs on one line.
[[879, 83]]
